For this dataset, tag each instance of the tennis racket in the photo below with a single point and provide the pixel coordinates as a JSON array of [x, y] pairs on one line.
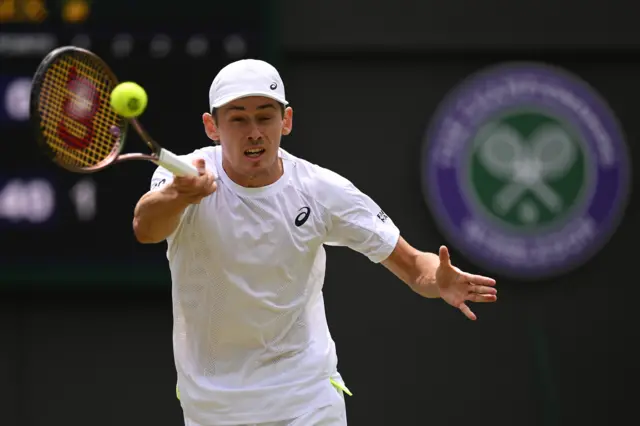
[[73, 119]]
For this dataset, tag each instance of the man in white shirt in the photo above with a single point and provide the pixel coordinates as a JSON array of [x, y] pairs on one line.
[[245, 248]]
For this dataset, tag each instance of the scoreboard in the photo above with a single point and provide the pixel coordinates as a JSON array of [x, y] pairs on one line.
[[56, 226]]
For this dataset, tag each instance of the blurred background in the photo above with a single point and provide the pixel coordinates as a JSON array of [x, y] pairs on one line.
[[85, 311]]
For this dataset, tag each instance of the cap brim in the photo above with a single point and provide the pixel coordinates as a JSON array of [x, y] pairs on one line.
[[226, 100]]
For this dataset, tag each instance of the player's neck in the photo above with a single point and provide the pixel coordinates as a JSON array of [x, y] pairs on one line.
[[264, 178]]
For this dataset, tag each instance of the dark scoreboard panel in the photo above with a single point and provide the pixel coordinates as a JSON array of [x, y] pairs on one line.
[[56, 226]]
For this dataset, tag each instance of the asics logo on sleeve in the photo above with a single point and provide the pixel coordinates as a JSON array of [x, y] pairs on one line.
[[302, 216], [157, 182]]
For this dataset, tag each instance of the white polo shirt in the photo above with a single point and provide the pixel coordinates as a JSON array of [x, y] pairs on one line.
[[251, 341]]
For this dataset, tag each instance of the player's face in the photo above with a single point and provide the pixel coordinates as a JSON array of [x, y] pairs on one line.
[[249, 130]]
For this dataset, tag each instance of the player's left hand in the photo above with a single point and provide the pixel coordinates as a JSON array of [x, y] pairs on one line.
[[457, 287]]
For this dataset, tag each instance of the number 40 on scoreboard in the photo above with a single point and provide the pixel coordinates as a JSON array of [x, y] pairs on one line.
[[34, 201]]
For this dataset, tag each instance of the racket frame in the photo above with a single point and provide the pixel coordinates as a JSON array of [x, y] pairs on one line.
[[159, 155]]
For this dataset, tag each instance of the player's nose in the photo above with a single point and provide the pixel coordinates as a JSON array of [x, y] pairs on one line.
[[254, 133]]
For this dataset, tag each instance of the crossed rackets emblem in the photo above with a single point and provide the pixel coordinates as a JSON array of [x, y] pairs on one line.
[[526, 165]]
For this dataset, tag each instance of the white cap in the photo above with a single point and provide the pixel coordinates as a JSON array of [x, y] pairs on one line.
[[246, 77]]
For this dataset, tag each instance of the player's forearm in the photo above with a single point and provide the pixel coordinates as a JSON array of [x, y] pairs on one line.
[[157, 215], [417, 269]]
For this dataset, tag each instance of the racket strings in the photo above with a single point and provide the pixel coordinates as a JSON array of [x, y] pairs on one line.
[[75, 114]]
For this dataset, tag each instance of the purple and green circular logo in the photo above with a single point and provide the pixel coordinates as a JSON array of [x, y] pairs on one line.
[[526, 170]]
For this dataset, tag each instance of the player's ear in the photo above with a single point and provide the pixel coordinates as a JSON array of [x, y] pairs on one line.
[[210, 127], [287, 125]]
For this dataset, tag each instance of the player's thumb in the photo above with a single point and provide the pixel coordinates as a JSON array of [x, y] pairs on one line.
[[199, 164], [444, 256]]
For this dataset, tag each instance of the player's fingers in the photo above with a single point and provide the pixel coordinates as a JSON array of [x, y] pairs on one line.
[[199, 164], [478, 279], [482, 298], [181, 182], [184, 183], [444, 256], [203, 185], [481, 289], [211, 184], [467, 312]]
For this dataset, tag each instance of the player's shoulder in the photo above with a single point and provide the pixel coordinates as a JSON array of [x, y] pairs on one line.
[[316, 180]]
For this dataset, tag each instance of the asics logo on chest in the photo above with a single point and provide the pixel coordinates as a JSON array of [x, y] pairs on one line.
[[303, 215]]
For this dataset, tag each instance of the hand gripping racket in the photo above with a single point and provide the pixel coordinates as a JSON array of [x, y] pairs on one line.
[[74, 122]]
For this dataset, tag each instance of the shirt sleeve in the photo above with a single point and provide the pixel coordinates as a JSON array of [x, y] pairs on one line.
[[357, 222], [161, 177]]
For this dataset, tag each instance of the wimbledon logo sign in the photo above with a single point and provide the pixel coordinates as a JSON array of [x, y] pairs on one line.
[[526, 170]]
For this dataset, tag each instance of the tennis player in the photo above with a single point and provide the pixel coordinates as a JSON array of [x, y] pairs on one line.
[[246, 252]]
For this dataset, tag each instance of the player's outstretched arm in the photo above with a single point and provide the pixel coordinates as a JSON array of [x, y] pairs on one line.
[[417, 269], [157, 213], [433, 276], [360, 224]]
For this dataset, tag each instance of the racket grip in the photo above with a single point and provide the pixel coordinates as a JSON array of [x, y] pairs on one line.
[[175, 164]]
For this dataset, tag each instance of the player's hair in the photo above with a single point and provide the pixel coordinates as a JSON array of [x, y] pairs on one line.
[[214, 112]]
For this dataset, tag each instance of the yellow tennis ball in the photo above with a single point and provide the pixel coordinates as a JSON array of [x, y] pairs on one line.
[[128, 99]]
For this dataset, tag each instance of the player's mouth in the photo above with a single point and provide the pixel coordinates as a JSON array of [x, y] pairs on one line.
[[254, 153]]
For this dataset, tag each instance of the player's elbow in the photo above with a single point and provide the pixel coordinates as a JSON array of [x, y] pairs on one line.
[[142, 233]]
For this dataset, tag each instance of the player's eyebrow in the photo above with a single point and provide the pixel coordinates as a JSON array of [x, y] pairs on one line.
[[241, 108], [265, 106]]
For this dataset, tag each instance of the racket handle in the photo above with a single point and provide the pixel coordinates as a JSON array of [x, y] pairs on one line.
[[175, 164]]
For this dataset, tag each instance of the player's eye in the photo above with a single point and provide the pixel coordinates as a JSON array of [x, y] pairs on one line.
[[237, 119]]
